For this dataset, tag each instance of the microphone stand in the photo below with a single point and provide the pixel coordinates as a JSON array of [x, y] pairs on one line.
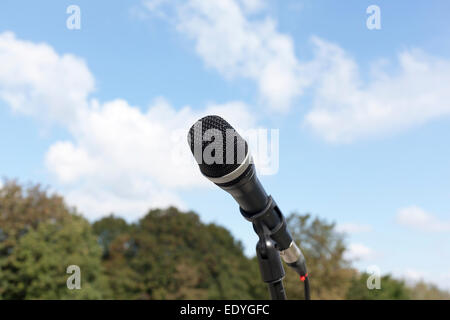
[[270, 266]]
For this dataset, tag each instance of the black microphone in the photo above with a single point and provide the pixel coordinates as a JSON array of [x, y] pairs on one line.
[[224, 158]]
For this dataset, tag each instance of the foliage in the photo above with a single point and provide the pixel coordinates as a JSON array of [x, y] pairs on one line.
[[42, 239], [23, 209], [324, 249], [167, 254], [424, 291], [108, 229], [178, 257]]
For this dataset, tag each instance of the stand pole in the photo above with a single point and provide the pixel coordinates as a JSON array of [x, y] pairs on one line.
[[276, 291]]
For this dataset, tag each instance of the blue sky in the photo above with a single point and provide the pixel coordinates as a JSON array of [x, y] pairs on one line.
[[363, 115]]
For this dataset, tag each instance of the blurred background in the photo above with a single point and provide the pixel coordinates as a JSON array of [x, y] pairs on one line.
[[96, 99]]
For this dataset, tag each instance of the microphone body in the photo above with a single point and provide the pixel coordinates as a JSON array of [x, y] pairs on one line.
[[248, 191]]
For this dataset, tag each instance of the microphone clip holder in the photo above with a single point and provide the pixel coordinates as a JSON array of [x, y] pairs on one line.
[[273, 237]]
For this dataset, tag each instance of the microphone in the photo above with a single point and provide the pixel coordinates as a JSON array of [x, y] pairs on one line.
[[224, 158]]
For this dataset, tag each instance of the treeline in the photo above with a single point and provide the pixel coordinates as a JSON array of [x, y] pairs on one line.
[[167, 254]]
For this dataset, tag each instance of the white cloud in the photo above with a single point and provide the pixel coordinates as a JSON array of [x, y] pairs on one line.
[[96, 199], [124, 160], [252, 6], [151, 6], [353, 228], [417, 218], [358, 251], [116, 138], [35, 80], [119, 158], [346, 108], [236, 46]]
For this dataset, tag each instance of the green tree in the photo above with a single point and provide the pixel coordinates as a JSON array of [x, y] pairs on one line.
[[173, 255], [41, 239], [23, 209], [108, 229], [331, 275], [424, 291], [324, 249], [115, 236], [37, 267], [168, 254]]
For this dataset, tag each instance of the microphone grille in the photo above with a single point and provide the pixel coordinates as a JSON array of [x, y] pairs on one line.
[[216, 146]]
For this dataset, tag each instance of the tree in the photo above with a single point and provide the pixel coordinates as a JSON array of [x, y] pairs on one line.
[[173, 255], [168, 254], [424, 291], [331, 275], [42, 239], [22, 209], [324, 249], [108, 229]]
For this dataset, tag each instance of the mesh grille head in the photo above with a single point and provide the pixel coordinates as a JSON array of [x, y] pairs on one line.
[[216, 146]]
